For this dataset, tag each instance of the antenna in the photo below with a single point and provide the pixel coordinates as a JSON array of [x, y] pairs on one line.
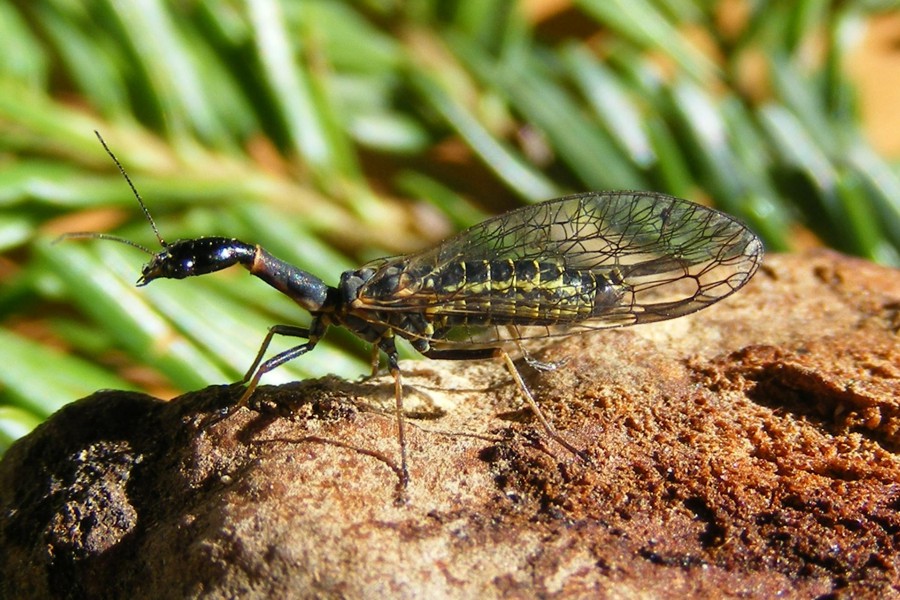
[[80, 235], [140, 200], [106, 236]]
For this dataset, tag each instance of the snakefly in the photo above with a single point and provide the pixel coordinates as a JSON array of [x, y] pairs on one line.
[[583, 262]]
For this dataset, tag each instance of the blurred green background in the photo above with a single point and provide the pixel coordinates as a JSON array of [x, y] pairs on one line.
[[335, 132]]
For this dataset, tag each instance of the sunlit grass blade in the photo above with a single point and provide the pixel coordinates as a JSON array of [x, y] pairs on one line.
[[643, 24], [36, 387], [102, 288], [579, 142], [611, 104], [510, 167], [15, 423]]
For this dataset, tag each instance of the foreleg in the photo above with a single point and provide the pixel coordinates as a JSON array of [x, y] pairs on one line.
[[259, 368]]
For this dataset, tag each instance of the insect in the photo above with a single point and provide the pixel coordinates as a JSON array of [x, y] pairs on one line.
[[582, 262]]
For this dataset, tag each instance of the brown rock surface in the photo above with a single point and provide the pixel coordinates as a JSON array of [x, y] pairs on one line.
[[750, 450]]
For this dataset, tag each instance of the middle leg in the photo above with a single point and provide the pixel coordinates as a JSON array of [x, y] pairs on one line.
[[389, 348]]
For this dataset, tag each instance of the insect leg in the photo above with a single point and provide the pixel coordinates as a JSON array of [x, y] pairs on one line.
[[286, 330], [387, 345], [536, 364], [532, 362], [258, 368], [540, 365], [548, 428]]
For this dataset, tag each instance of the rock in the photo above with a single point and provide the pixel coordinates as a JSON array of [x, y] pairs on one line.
[[748, 450]]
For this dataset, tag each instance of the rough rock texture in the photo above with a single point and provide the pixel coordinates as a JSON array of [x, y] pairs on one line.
[[750, 450]]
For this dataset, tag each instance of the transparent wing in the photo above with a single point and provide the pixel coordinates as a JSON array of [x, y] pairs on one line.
[[665, 256]]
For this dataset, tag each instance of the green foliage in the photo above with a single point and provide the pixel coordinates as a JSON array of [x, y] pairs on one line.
[[335, 132]]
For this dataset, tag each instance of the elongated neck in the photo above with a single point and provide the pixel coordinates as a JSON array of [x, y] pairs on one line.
[[304, 288]]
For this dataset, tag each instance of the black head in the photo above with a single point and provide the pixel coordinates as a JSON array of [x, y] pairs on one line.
[[187, 258], [184, 258]]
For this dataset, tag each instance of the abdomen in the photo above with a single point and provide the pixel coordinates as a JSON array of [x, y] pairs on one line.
[[515, 292]]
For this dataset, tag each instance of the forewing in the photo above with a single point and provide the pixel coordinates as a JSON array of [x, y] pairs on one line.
[[667, 257]]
